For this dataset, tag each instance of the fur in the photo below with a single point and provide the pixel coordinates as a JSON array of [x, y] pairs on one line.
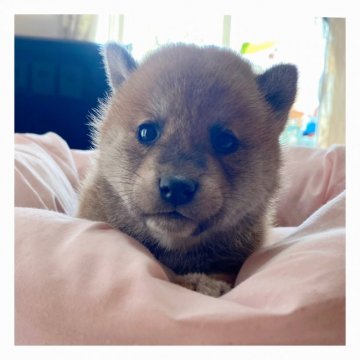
[[191, 93]]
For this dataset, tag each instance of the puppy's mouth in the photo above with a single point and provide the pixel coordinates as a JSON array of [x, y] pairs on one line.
[[174, 215], [174, 230], [171, 222]]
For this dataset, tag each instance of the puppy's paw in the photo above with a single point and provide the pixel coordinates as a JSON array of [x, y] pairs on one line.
[[203, 284]]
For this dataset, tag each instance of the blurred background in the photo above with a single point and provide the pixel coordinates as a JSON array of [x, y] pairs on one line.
[[59, 76]]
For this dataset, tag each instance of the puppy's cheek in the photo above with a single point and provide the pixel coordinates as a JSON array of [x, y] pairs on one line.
[[213, 188], [145, 191], [208, 201]]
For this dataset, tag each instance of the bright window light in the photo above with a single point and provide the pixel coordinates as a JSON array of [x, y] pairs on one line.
[[263, 40]]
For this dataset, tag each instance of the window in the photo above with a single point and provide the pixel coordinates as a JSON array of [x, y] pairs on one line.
[[264, 41]]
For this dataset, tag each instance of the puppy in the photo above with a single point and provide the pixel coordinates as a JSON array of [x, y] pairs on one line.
[[188, 157]]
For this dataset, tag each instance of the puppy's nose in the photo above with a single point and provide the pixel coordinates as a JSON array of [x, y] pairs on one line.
[[177, 190]]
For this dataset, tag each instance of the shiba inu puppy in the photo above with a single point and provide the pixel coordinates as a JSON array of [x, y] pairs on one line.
[[188, 156]]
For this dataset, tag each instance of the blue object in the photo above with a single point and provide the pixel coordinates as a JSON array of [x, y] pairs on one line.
[[57, 85], [310, 128]]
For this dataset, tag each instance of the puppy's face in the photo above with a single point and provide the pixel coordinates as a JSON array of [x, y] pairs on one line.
[[189, 143]]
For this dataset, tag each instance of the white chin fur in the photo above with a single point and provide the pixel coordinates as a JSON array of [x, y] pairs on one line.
[[172, 234]]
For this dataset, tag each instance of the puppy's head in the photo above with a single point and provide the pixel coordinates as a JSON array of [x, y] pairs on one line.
[[189, 141]]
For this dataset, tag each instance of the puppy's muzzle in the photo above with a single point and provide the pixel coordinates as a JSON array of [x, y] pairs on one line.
[[177, 190]]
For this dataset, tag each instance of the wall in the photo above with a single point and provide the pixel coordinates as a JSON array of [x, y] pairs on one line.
[[49, 26]]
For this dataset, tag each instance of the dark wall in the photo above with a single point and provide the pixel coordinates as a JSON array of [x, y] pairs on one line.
[[57, 84]]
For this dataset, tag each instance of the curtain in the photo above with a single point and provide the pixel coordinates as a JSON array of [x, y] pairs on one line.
[[332, 92], [99, 28], [79, 27], [115, 28]]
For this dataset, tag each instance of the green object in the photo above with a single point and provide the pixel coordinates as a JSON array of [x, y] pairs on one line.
[[250, 48]]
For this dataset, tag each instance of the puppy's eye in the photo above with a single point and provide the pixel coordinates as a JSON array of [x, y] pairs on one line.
[[148, 133], [224, 141]]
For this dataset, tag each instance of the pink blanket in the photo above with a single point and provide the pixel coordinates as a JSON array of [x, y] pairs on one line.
[[82, 282]]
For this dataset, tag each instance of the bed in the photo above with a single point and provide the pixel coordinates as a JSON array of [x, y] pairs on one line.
[[80, 282]]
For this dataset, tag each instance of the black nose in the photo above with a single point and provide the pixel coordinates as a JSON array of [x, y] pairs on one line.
[[177, 190]]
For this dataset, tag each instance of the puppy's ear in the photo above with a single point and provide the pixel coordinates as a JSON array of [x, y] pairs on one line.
[[278, 85], [118, 64]]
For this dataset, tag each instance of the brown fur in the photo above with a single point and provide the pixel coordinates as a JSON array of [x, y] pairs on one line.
[[189, 90]]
